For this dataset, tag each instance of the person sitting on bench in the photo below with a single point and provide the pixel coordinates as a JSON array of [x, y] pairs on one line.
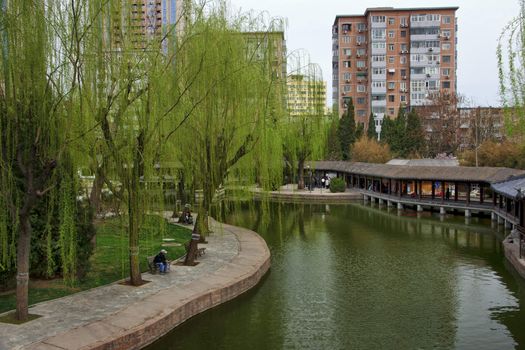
[[160, 261]]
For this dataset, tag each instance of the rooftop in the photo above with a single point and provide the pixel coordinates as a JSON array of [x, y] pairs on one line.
[[390, 9]]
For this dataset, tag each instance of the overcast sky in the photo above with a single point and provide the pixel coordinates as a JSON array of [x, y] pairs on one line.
[[479, 24]]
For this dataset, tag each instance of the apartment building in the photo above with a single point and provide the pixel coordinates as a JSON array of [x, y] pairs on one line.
[[391, 57], [306, 96], [142, 20]]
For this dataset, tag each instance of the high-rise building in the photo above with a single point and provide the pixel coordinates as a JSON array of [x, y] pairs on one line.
[[306, 96], [391, 57], [142, 20]]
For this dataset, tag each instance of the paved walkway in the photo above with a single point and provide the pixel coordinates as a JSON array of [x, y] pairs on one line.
[[291, 193], [124, 317]]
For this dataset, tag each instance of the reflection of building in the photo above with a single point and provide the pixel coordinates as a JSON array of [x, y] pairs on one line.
[[306, 96], [390, 57]]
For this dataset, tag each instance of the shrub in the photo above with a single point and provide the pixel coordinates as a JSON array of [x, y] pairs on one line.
[[337, 184], [370, 151]]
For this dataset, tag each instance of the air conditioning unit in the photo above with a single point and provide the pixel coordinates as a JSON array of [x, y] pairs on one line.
[[347, 80], [403, 90], [428, 75], [438, 62], [404, 77], [345, 31], [358, 43], [447, 76], [343, 93], [358, 55], [447, 37], [430, 49]]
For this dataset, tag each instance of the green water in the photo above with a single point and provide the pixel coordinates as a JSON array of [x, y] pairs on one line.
[[355, 277]]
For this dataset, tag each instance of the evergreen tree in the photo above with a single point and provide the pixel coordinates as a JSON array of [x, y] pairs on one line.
[[346, 131], [371, 129], [333, 146], [359, 131], [414, 135]]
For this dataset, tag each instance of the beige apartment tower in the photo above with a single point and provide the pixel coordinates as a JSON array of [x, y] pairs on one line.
[[391, 57]]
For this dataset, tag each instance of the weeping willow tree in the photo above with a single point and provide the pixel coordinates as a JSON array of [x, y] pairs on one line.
[[38, 114], [305, 126], [232, 134], [511, 67]]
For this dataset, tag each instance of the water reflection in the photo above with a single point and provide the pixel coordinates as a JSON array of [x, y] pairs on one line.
[[355, 277]]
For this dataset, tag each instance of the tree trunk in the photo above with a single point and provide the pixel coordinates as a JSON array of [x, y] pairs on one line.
[[135, 213], [96, 190], [192, 249], [22, 263], [300, 174]]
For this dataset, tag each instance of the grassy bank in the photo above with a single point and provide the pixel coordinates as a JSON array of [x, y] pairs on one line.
[[109, 263]]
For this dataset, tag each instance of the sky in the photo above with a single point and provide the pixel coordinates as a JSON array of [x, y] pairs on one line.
[[480, 22]]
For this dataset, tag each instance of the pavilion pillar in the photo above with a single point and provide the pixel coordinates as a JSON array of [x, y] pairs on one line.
[[389, 186], [400, 187], [468, 193], [380, 185], [443, 184], [456, 191], [419, 188], [481, 193], [494, 199], [433, 190]]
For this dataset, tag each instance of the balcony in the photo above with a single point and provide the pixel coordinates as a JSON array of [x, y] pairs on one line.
[[424, 37], [381, 64], [378, 103], [377, 51], [425, 24], [378, 90]]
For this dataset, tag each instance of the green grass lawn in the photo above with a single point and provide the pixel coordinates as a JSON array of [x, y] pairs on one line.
[[109, 263]]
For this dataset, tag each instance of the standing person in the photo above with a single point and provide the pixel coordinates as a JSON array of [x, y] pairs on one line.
[[323, 180], [160, 261], [447, 194]]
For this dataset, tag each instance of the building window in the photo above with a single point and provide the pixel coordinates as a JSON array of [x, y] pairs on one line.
[[403, 86], [361, 113], [391, 85], [347, 52], [446, 85], [403, 72], [347, 64], [402, 98], [404, 21], [391, 98], [347, 76], [446, 59], [361, 52], [361, 100], [391, 111], [346, 27], [403, 59], [378, 19], [403, 33], [361, 27], [377, 71], [347, 88], [361, 64], [446, 71], [360, 39], [361, 88], [446, 19], [391, 47], [445, 46], [391, 59], [391, 33], [445, 33], [404, 47], [379, 45], [378, 34], [346, 39], [391, 20]]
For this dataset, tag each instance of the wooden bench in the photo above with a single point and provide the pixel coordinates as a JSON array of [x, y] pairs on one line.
[[153, 268]]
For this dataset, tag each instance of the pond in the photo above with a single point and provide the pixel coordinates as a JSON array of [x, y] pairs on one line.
[[355, 277]]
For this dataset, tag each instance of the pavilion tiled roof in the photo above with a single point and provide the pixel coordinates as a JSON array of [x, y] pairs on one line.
[[510, 188], [417, 172]]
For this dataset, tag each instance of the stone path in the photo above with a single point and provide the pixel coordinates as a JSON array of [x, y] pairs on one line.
[[123, 317]]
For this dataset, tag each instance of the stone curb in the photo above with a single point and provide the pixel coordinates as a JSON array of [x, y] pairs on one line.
[[141, 323]]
